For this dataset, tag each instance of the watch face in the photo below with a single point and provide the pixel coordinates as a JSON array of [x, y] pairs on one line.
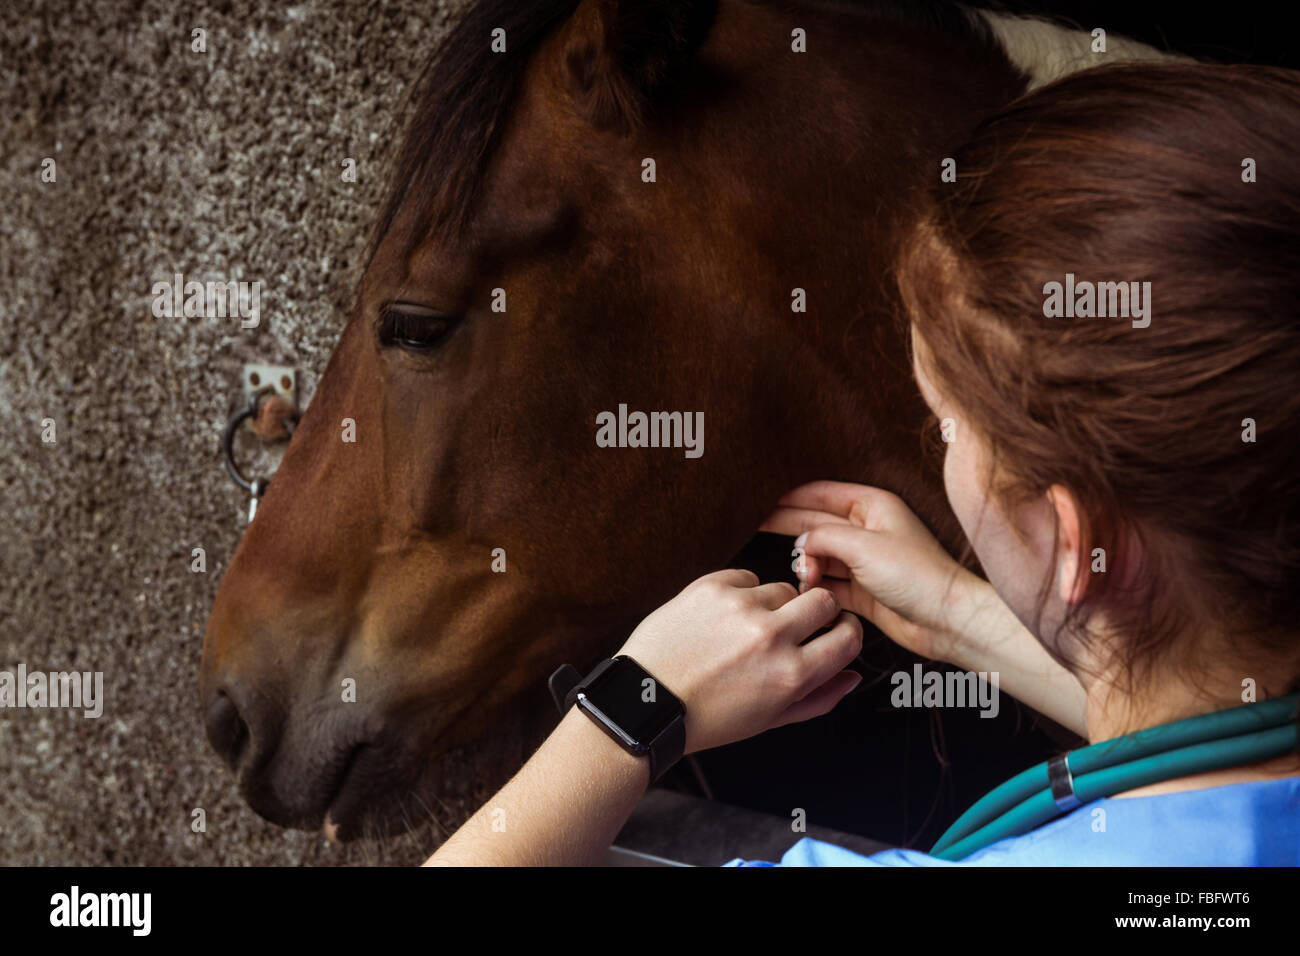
[[633, 700]]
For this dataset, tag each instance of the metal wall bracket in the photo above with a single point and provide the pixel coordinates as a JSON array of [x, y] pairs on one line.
[[282, 379]]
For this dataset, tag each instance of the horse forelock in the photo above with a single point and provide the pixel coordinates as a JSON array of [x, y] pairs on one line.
[[456, 110]]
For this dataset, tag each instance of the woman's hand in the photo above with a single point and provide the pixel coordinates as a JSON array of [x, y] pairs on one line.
[[869, 549], [729, 648]]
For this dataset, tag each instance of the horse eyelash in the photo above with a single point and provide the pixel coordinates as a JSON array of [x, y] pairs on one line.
[[385, 327]]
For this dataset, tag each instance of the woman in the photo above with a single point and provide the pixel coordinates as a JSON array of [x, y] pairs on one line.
[[1103, 314]]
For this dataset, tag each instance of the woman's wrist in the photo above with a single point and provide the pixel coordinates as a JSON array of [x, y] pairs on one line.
[[983, 634], [564, 808], [972, 615], [604, 750]]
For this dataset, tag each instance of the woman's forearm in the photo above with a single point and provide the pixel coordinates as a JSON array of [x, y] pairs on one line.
[[991, 638], [563, 808]]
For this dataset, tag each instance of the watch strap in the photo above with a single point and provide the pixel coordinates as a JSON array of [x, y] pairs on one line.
[[667, 748], [561, 683], [664, 751]]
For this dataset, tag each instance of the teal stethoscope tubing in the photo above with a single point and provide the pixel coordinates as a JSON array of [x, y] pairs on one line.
[[1227, 738]]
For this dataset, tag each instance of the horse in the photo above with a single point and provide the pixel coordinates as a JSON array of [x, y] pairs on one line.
[[598, 205]]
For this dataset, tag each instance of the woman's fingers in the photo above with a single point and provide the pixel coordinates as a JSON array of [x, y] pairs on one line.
[[860, 602], [844, 594], [822, 700], [827, 654], [812, 570], [776, 594], [736, 577], [807, 612], [840, 498], [849, 545], [822, 677], [809, 510], [795, 521]]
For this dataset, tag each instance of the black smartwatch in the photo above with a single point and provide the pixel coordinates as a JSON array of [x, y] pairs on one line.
[[630, 705]]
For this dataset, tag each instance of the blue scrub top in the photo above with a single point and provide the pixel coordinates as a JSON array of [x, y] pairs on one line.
[[1239, 824]]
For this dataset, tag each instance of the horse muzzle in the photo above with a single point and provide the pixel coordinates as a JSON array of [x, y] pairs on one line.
[[298, 769]]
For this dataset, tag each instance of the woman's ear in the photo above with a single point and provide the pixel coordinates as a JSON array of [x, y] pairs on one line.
[[620, 56], [1071, 580]]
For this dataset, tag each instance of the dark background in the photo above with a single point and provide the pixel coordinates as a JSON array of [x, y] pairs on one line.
[[1259, 33]]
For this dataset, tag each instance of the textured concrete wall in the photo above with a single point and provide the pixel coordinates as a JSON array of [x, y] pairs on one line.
[[218, 165]]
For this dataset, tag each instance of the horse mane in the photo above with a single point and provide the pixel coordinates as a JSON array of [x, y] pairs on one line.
[[462, 97]]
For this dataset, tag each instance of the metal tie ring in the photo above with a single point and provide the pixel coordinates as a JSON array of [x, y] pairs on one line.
[[256, 486]]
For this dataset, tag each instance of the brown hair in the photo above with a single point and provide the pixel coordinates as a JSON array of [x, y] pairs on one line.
[[1129, 174]]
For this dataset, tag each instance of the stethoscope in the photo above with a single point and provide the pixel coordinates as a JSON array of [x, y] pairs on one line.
[[1228, 738]]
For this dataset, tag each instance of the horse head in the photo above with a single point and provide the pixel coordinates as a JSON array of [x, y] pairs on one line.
[[653, 207]]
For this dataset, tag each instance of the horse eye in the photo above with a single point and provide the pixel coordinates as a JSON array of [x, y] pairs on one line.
[[413, 329]]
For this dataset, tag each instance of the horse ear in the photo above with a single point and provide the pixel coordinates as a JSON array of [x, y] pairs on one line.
[[622, 56]]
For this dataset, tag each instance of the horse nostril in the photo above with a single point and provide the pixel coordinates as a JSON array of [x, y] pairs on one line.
[[227, 731]]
